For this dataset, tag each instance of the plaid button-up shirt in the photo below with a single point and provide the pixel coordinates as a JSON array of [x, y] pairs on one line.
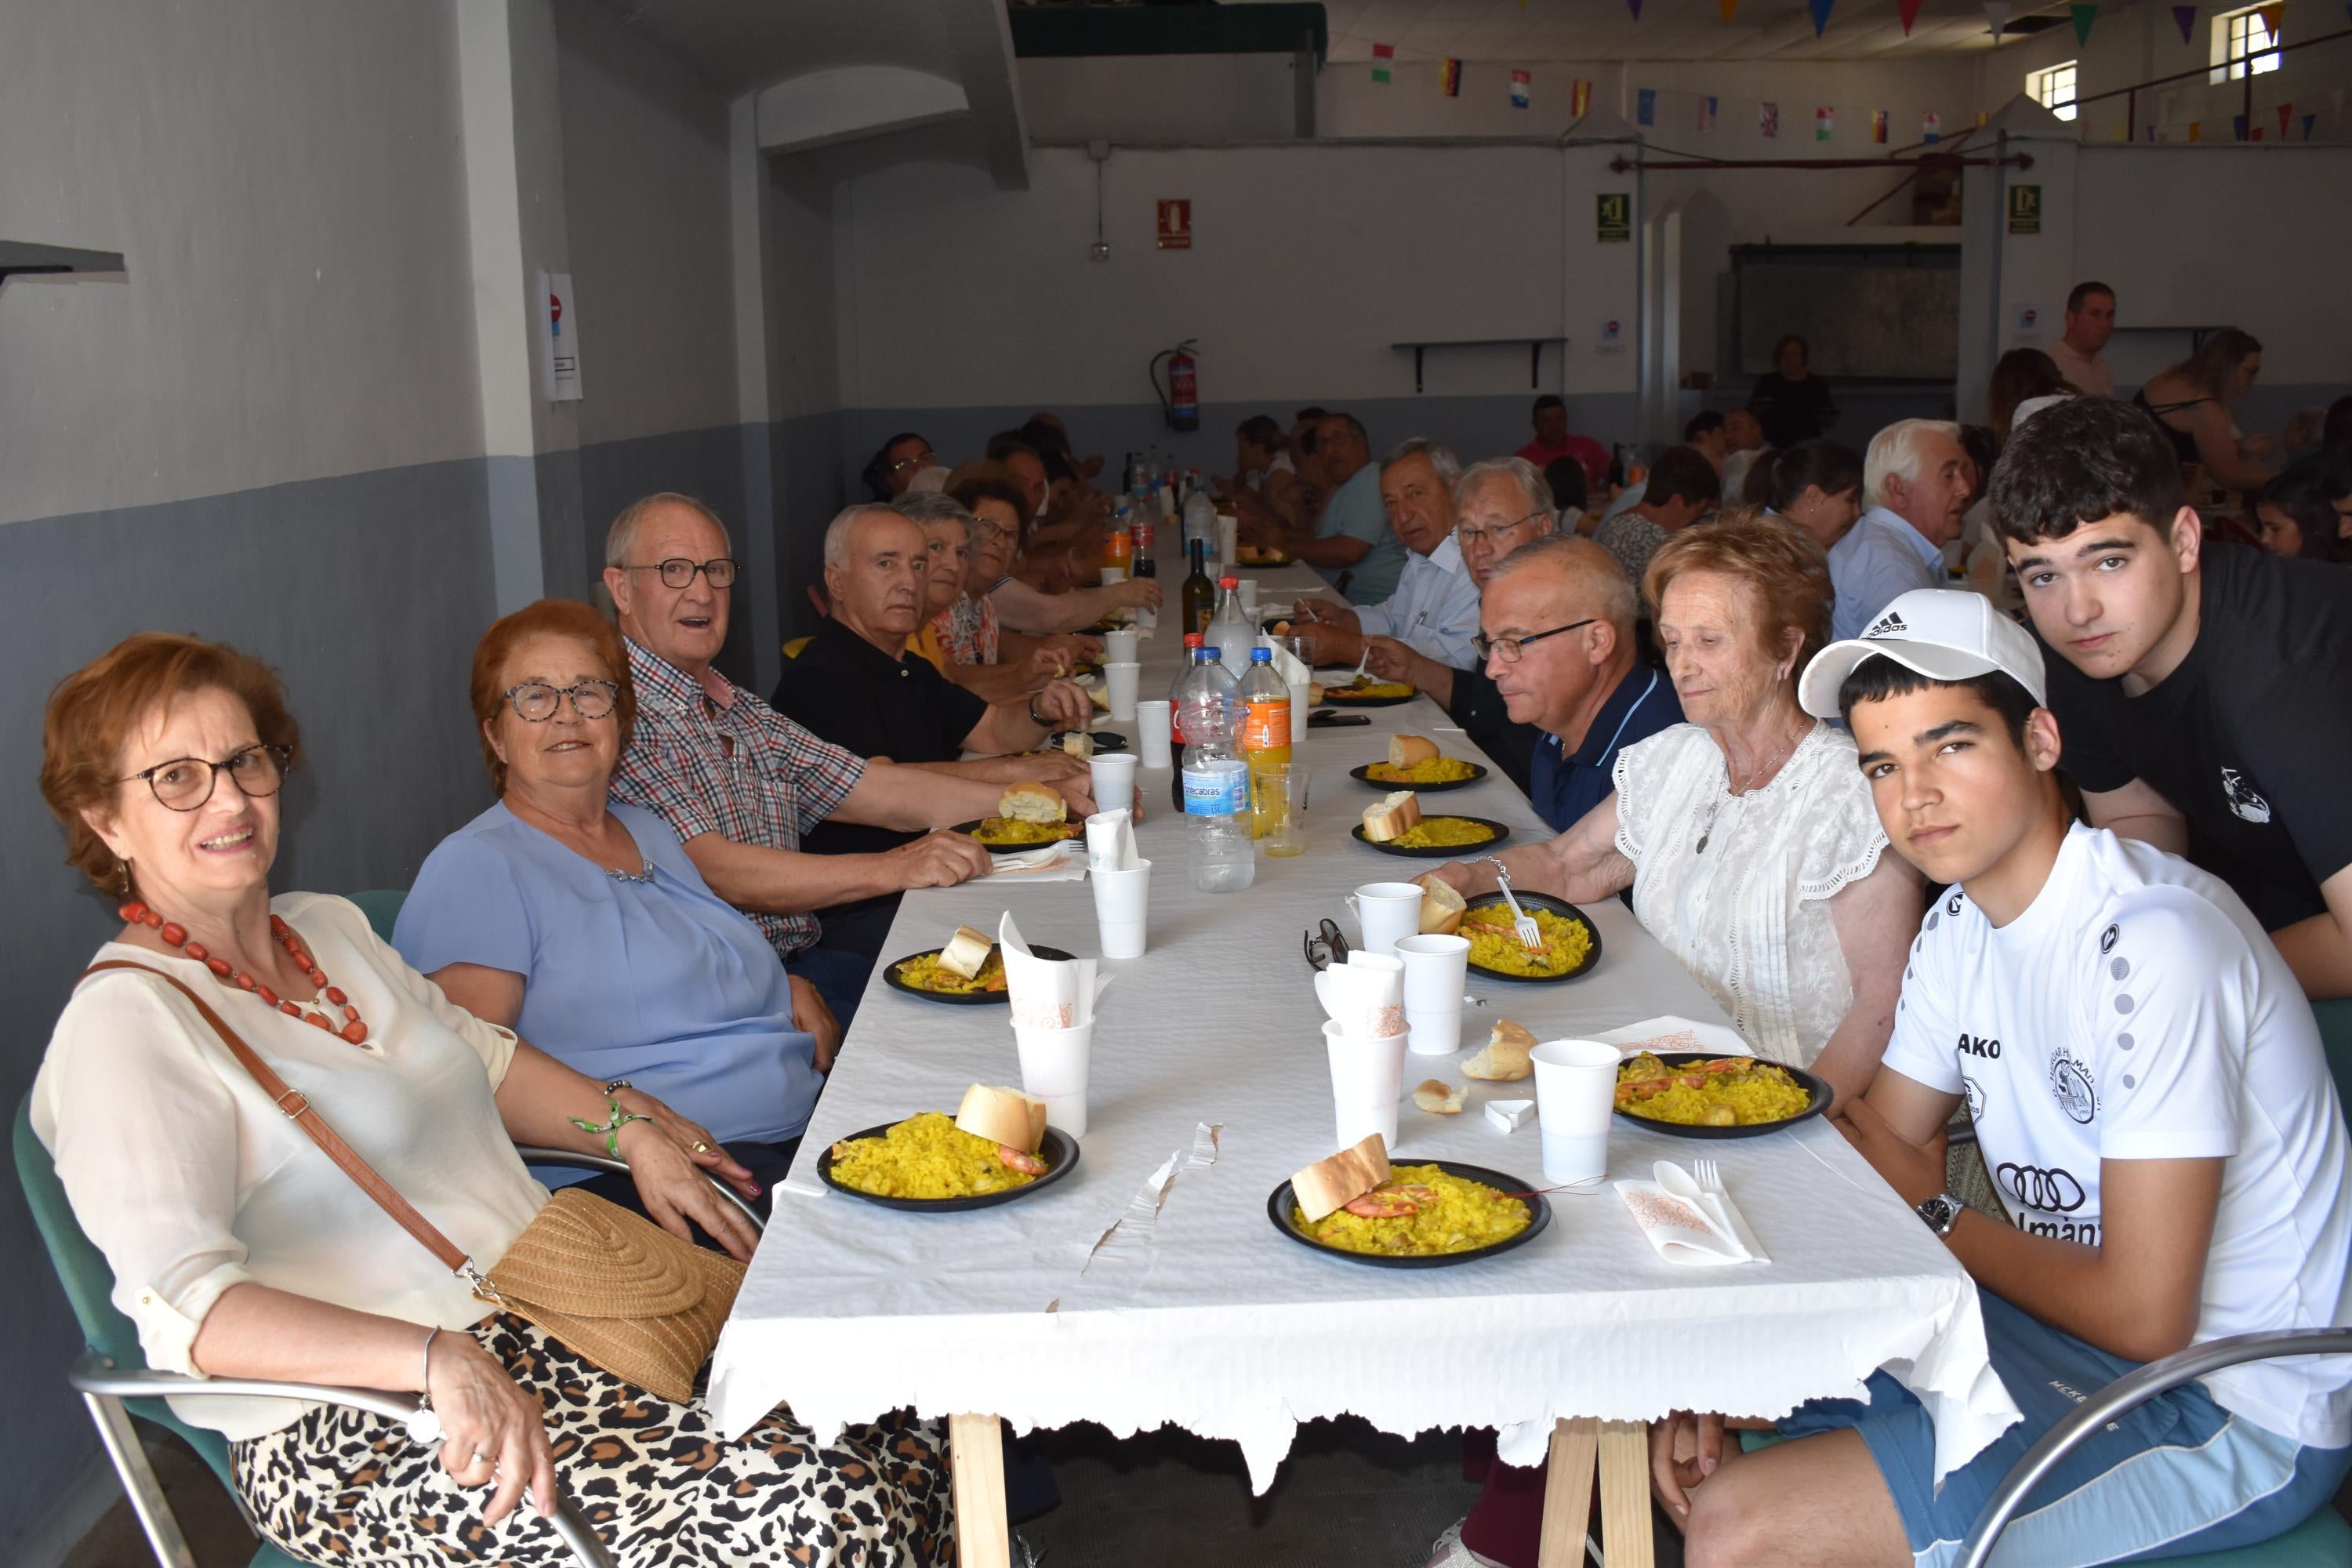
[[730, 765]]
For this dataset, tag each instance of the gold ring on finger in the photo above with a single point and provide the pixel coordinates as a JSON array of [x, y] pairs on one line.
[[700, 1147]]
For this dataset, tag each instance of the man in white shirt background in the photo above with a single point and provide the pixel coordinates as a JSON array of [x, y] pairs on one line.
[[1914, 486], [2150, 1093], [1435, 610], [2090, 323]]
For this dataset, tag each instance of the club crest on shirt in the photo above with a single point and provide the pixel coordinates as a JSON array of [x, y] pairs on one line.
[[2243, 800], [1974, 1091], [2071, 1086]]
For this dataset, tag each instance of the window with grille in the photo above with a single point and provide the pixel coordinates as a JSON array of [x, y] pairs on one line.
[[2053, 89], [2243, 41]]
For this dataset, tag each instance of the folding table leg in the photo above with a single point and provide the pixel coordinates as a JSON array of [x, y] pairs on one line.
[[1568, 1494], [1625, 1494], [976, 1456]]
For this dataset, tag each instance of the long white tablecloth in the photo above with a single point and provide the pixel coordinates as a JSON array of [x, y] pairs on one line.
[[1149, 1287]]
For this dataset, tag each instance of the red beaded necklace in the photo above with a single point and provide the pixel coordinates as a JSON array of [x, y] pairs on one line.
[[176, 935]]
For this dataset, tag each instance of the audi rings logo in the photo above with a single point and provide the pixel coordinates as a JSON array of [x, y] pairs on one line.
[[2053, 1191]]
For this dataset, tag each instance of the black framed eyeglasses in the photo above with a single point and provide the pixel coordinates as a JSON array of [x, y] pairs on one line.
[[184, 783], [677, 571], [1496, 529], [922, 460], [535, 702], [1508, 649], [1325, 946]]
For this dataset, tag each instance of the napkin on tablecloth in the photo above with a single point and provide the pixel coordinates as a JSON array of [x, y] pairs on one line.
[[1708, 1231], [1063, 862], [1110, 841], [1046, 992]]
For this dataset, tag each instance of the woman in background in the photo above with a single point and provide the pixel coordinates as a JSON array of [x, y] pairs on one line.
[[1791, 402], [2192, 401], [1817, 485]]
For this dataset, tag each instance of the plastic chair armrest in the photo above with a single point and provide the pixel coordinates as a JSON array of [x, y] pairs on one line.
[[96, 1375]]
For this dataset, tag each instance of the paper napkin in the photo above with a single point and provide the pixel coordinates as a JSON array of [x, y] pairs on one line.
[[1046, 992], [1685, 1226]]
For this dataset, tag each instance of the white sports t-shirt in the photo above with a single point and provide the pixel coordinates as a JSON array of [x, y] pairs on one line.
[[2136, 1010]]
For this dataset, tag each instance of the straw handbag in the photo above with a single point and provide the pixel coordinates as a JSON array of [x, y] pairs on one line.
[[615, 1287]]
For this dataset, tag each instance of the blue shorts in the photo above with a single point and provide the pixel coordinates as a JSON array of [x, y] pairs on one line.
[[2177, 1475]]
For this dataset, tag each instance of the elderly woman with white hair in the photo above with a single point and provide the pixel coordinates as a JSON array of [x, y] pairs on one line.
[[1915, 488]]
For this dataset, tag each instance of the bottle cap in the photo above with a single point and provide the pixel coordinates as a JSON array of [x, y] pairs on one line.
[[1191, 639], [1208, 652], [1260, 656], [1229, 581]]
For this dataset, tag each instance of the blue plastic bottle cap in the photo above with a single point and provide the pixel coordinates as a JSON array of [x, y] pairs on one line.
[[1260, 656], [1212, 652]]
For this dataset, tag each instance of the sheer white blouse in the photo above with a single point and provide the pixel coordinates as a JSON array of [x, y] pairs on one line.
[[1749, 916], [189, 1180]]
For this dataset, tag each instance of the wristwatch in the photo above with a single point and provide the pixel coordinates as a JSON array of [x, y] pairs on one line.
[[1941, 1212]]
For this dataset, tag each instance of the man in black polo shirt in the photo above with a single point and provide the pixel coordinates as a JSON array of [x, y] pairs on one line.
[[855, 685], [2201, 691]]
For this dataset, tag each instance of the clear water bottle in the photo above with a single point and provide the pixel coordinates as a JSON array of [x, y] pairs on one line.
[[1201, 520], [1231, 630], [1216, 781]]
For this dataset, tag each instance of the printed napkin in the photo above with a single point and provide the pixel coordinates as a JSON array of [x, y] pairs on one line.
[[1364, 995], [1046, 992], [1687, 1227]]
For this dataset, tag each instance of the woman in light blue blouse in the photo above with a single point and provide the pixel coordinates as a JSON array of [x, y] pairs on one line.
[[583, 925]]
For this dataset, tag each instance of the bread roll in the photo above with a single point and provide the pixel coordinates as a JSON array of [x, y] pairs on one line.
[[1505, 1059], [1442, 908], [1342, 1179], [1390, 816], [1440, 1098], [1080, 744], [1032, 803], [965, 951], [1406, 750], [1005, 1116]]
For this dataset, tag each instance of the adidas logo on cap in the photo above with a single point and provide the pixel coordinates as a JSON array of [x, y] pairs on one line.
[[1888, 625]]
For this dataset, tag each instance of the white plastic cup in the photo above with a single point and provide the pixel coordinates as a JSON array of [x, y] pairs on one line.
[[1365, 994], [1229, 527], [1576, 1089], [1114, 782], [1300, 711], [1120, 645], [1113, 574], [1249, 596], [1054, 1064], [1385, 911], [1367, 1082], [1436, 968], [1151, 728], [1121, 901], [1120, 682]]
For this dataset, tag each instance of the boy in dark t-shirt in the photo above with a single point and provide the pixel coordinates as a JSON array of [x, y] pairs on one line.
[[2200, 693]]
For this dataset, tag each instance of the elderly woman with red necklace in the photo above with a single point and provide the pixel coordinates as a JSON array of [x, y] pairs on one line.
[[239, 1250]]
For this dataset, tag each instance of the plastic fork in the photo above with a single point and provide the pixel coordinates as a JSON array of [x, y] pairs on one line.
[[1523, 924], [1709, 1176], [1360, 663]]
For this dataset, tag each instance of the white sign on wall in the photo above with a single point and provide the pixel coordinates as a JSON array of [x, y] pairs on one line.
[[2026, 324], [558, 337]]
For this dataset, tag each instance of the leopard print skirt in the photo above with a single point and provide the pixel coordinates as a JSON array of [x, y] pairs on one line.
[[348, 1490]]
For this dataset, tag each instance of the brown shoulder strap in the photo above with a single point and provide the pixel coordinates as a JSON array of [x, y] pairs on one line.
[[299, 1109]]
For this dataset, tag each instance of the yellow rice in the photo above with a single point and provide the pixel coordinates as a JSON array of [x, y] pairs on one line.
[[1430, 770], [1362, 688], [1495, 945], [997, 830], [1443, 832], [1742, 1096], [1465, 1215], [925, 1156], [924, 972]]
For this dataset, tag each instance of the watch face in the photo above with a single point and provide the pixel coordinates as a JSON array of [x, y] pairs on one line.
[[1938, 1212]]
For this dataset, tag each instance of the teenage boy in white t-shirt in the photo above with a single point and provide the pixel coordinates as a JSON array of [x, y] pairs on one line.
[[2151, 1096]]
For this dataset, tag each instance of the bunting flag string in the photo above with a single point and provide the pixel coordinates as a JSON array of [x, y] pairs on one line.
[[1824, 124], [1821, 16], [1383, 56], [2286, 112], [2274, 14], [2308, 121], [1520, 84], [2084, 17], [1768, 120], [1931, 128], [1636, 6], [1707, 107], [2184, 18], [1645, 106], [2197, 131], [1878, 126], [1730, 9], [1449, 77], [1997, 14], [1909, 11], [2238, 128], [1580, 99]]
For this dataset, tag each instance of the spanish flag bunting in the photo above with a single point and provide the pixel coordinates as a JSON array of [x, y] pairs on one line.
[[1731, 9], [1449, 77], [1383, 56], [2271, 15], [1878, 126], [2286, 112], [1580, 99]]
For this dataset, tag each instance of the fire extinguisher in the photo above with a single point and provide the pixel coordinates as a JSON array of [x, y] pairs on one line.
[[1179, 399]]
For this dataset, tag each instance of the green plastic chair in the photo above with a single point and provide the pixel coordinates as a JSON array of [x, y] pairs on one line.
[[381, 907]]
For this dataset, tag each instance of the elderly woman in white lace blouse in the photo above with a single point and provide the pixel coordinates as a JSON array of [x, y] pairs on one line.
[[1746, 834]]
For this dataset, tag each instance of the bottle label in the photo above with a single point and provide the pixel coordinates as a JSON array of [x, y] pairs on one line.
[[1218, 791], [1268, 724]]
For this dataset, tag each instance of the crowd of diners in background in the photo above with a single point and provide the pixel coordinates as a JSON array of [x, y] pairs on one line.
[[1632, 649]]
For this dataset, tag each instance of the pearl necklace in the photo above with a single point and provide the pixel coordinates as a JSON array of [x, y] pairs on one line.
[[174, 934]]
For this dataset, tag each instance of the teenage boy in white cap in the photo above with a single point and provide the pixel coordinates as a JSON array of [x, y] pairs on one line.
[[2150, 1095]]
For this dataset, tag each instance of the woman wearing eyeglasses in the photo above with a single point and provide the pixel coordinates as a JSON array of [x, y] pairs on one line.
[[581, 924]]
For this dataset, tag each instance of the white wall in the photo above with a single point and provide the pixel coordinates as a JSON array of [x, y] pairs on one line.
[[1307, 262], [297, 302], [644, 192], [1159, 98]]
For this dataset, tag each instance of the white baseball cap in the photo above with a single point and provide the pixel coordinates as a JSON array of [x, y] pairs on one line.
[[1945, 634]]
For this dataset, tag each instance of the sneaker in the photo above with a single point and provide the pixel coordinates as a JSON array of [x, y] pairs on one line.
[[1449, 1552]]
